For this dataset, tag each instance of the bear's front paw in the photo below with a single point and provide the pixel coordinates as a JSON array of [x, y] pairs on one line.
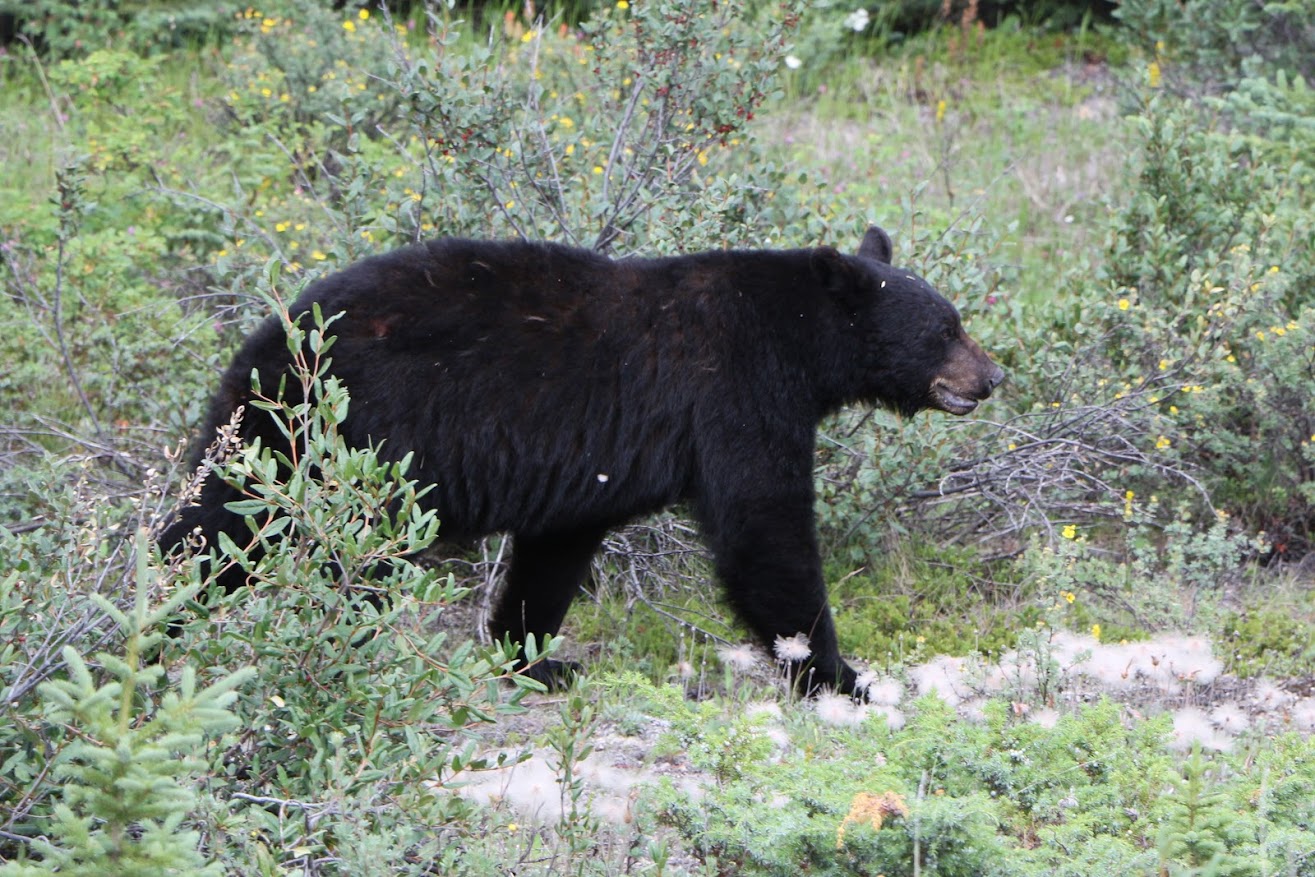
[[554, 675]]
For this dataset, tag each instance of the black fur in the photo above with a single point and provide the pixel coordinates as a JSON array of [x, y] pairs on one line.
[[555, 393]]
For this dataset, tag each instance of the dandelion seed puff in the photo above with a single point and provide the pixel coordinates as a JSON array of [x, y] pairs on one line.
[[1303, 714], [837, 709], [792, 649], [739, 658], [1230, 718], [763, 708], [885, 692], [894, 721], [1191, 726], [1046, 718], [1268, 695], [685, 670], [974, 711], [780, 739], [865, 680], [942, 675]]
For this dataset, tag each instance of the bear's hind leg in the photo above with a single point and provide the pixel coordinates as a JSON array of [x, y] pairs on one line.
[[546, 572]]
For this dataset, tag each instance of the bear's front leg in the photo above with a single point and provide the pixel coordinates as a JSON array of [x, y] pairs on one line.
[[767, 556], [545, 575]]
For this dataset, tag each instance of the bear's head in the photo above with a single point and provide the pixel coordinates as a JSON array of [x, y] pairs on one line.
[[915, 354]]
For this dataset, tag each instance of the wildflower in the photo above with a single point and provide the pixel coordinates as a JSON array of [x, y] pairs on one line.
[[1069, 597], [940, 111], [1070, 531], [349, 26], [857, 21], [790, 61], [1095, 632], [703, 157], [1164, 364], [364, 14], [1161, 443], [1153, 74], [622, 5], [318, 255], [566, 122], [793, 648], [1124, 304], [598, 169]]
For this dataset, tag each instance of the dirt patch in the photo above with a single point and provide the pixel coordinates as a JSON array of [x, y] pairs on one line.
[[1170, 673]]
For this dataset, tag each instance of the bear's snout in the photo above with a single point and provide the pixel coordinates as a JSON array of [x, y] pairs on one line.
[[968, 377]]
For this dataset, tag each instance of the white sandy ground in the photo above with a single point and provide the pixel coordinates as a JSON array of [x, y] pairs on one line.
[[1171, 672]]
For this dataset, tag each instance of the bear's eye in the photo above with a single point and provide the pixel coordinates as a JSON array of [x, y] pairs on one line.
[[949, 333]]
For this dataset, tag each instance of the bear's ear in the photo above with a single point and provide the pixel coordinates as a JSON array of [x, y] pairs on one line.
[[830, 267], [876, 245]]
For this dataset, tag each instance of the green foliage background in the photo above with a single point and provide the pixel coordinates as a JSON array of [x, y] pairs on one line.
[[1121, 211]]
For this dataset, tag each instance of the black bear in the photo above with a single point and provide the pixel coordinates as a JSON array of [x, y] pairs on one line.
[[554, 393]]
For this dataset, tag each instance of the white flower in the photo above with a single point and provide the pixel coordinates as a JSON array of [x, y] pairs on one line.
[[792, 62], [794, 648], [857, 20]]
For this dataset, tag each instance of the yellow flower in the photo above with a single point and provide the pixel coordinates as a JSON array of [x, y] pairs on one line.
[[1164, 364], [1070, 531], [622, 4], [566, 122], [703, 157], [318, 256], [1095, 632], [598, 169], [940, 111], [1124, 304], [1161, 443], [1068, 596], [1153, 74], [349, 26], [365, 14]]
